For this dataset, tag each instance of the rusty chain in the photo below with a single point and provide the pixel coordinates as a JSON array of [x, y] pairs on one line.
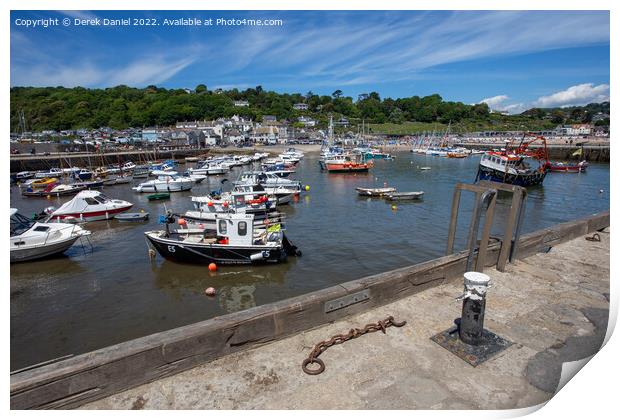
[[594, 238], [319, 348]]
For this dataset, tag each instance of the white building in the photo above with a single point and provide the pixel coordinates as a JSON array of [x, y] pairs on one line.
[[301, 107], [242, 104], [307, 121]]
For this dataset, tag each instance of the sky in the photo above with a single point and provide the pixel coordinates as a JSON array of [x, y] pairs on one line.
[[512, 60]]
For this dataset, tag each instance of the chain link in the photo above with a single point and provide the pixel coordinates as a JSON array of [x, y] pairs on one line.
[[319, 348]]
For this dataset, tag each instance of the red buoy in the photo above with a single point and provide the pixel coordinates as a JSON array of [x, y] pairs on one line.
[[212, 267]]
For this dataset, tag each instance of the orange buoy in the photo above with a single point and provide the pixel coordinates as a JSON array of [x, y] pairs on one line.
[[210, 204], [182, 222], [213, 267], [210, 291]]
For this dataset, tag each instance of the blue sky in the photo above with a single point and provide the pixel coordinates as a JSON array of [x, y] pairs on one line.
[[511, 60]]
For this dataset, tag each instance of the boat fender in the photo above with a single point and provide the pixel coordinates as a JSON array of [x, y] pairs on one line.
[[256, 257]]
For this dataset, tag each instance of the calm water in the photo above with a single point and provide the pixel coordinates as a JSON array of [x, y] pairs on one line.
[[87, 300]]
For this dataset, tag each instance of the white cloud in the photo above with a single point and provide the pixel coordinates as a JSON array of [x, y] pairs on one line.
[[495, 100], [582, 94], [498, 103]]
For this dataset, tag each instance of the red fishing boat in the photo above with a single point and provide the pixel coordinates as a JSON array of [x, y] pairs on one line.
[[573, 168], [348, 163]]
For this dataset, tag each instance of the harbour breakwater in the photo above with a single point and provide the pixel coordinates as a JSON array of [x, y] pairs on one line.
[[84, 159], [74, 380]]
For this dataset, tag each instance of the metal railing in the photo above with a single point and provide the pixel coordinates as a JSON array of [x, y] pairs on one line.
[[486, 196]]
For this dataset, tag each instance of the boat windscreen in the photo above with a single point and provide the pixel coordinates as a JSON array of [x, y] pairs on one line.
[[20, 224]]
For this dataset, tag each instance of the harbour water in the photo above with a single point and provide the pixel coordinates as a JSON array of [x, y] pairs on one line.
[[91, 298]]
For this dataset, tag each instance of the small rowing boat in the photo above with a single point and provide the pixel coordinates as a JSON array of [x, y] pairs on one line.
[[374, 192], [158, 196], [132, 217], [412, 195]]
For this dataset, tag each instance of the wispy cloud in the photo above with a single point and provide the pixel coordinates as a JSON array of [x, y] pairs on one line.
[[140, 72], [316, 49], [384, 47]]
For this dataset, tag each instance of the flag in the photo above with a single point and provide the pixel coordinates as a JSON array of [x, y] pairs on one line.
[[577, 152], [274, 228]]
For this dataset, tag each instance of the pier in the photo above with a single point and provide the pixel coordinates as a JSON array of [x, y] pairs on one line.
[[552, 303]]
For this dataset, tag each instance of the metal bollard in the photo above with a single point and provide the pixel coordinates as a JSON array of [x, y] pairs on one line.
[[471, 325]]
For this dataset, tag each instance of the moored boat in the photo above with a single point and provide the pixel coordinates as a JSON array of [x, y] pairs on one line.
[[158, 196], [235, 241], [410, 195], [166, 184], [132, 217], [374, 192], [510, 166], [567, 167], [88, 206], [31, 240]]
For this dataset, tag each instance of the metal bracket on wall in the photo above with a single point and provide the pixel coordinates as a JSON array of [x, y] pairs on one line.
[[348, 300]]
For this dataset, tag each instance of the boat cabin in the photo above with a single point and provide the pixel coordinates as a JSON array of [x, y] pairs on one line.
[[236, 229]]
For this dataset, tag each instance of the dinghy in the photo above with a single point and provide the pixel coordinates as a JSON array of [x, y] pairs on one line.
[[158, 196], [374, 192], [412, 195], [132, 217]]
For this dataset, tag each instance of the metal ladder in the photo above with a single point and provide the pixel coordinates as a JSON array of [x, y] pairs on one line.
[[486, 197]]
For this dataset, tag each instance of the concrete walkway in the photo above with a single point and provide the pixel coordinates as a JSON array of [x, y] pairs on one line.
[[553, 306]]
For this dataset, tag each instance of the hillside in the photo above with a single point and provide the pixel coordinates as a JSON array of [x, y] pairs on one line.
[[58, 108]]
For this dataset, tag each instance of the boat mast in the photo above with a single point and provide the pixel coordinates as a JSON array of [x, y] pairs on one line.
[[330, 131]]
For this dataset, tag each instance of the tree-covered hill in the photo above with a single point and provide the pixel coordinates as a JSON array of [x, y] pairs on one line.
[[58, 108]]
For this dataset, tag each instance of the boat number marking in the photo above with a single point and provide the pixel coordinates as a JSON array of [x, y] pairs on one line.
[[171, 248]]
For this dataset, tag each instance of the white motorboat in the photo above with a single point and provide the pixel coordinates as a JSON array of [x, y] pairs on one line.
[[52, 173], [267, 179], [164, 172], [32, 240], [197, 178], [118, 179], [128, 166], [208, 169], [20, 176], [166, 183], [88, 206]]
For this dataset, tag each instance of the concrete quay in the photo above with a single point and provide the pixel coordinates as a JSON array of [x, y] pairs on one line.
[[553, 306]]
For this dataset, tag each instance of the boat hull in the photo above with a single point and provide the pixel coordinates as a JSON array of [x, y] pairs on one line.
[[44, 251], [214, 253], [523, 180], [351, 167], [91, 216]]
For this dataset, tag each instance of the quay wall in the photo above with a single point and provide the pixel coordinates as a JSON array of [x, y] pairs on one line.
[[591, 153], [78, 379], [28, 162]]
